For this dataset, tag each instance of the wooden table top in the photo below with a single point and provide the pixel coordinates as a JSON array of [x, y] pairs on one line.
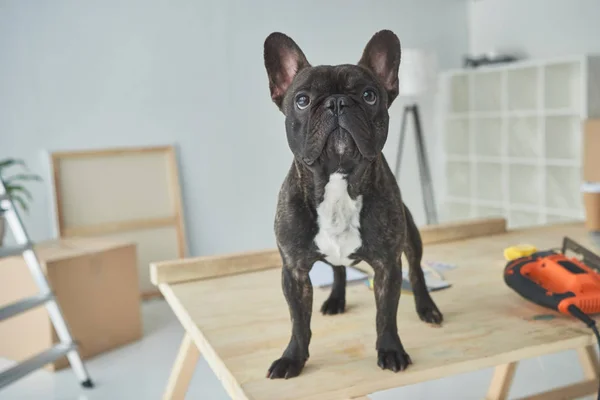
[[241, 324]]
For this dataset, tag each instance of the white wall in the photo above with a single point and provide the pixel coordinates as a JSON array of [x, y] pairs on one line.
[[108, 73], [537, 28]]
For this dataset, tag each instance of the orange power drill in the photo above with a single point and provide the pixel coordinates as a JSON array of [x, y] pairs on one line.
[[553, 280]]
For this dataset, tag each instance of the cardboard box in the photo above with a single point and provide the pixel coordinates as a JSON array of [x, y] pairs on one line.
[[591, 150], [592, 211], [591, 201], [96, 284]]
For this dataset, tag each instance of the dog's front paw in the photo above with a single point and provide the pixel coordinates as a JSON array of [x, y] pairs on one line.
[[396, 360], [391, 354], [285, 368], [429, 313], [333, 305]]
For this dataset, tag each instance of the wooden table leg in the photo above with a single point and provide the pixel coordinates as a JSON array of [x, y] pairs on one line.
[[501, 382], [589, 364], [589, 361], [183, 370]]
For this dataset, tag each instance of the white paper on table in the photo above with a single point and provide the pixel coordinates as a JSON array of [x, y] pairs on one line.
[[321, 274], [431, 280]]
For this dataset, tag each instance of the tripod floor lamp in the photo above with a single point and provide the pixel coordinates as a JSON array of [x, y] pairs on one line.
[[416, 77]]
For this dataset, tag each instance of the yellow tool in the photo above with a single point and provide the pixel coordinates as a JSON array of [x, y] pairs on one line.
[[518, 251]]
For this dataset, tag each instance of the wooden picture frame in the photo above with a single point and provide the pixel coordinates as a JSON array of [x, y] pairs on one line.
[[128, 193]]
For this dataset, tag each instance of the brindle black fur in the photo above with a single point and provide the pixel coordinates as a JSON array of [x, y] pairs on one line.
[[386, 225]]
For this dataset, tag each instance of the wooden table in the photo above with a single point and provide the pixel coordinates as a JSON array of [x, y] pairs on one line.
[[234, 313]]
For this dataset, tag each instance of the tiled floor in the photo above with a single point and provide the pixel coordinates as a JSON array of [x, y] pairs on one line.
[[140, 371]]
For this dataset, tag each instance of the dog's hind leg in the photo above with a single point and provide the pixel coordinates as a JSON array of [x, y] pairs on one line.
[[426, 308], [336, 303]]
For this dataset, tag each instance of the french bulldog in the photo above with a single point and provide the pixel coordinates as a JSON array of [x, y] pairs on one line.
[[340, 202]]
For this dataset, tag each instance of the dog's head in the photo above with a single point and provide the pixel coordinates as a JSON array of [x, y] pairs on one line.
[[335, 116]]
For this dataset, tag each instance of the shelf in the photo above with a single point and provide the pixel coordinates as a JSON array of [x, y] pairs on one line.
[[524, 219], [522, 85], [513, 137], [561, 112], [567, 112], [475, 114], [525, 63], [459, 93], [487, 91], [458, 177], [489, 212], [557, 162], [556, 219], [569, 213], [454, 212], [487, 137], [562, 85], [474, 202], [488, 181], [524, 137], [526, 184], [563, 187], [456, 139], [563, 137]]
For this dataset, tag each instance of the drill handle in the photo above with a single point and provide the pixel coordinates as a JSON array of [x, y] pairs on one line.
[[516, 280]]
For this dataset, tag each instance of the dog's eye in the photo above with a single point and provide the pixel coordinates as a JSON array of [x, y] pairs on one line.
[[369, 97], [302, 101]]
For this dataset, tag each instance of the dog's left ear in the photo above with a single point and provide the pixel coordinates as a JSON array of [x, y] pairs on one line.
[[382, 57], [283, 60]]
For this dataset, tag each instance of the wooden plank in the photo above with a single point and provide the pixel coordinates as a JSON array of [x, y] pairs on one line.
[[574, 391], [177, 203], [432, 234], [245, 320], [151, 294], [207, 267], [116, 151], [221, 265], [501, 381], [589, 362], [232, 387], [58, 206], [183, 370], [121, 226]]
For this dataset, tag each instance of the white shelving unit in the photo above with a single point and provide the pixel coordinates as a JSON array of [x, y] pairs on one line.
[[512, 139]]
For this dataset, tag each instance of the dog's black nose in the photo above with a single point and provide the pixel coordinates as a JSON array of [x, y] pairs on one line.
[[337, 103]]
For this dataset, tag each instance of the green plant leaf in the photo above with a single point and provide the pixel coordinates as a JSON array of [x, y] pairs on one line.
[[17, 199], [22, 177], [11, 189], [9, 162]]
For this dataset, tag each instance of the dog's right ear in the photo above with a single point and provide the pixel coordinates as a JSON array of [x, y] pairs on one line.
[[283, 60]]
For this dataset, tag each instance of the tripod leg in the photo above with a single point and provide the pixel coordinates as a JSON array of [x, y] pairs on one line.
[[428, 198], [421, 163], [401, 141]]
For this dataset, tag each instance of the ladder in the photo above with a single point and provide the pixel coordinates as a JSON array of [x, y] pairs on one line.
[[66, 346]]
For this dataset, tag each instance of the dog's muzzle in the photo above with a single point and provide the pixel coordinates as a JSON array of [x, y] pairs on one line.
[[347, 136]]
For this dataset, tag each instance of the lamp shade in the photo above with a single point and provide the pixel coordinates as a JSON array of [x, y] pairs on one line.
[[417, 73]]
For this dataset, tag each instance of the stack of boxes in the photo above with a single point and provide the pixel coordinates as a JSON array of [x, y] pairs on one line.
[[95, 282], [591, 174]]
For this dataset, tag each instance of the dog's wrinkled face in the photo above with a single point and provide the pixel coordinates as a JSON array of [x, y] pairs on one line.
[[336, 116]]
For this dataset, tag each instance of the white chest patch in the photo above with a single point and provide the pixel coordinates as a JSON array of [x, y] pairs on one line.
[[339, 222]]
